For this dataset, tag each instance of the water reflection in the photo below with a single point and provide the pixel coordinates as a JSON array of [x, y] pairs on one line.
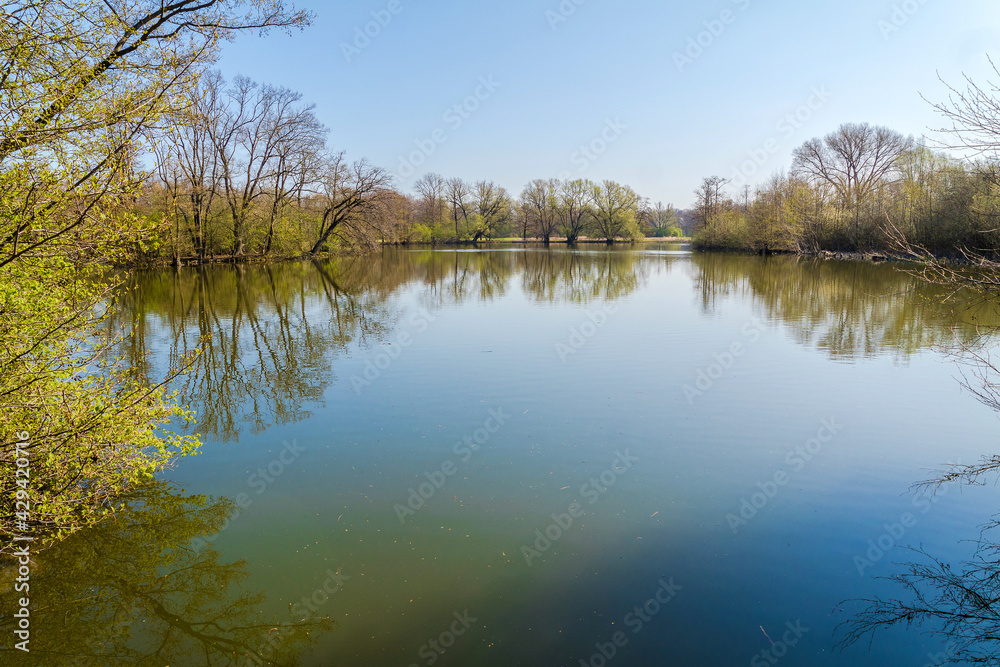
[[270, 335], [848, 309], [957, 603], [581, 277], [130, 591], [275, 338], [576, 276]]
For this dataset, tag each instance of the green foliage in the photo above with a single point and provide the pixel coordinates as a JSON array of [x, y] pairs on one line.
[[934, 201], [79, 87], [667, 232], [95, 429], [615, 212], [421, 234]]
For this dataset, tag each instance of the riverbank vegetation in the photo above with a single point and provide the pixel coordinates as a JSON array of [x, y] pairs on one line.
[[244, 171], [869, 189], [81, 85]]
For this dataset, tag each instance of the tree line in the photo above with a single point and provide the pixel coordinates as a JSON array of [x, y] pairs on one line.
[[860, 188], [242, 169]]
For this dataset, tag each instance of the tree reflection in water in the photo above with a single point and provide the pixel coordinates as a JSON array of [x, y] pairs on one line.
[[269, 335], [129, 591], [959, 604]]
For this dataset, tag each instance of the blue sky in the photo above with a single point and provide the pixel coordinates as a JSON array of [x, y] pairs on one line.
[[657, 95]]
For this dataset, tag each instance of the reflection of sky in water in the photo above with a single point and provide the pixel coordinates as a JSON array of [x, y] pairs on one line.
[[621, 390]]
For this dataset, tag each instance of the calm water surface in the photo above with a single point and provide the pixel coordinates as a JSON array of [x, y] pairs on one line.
[[523, 456]]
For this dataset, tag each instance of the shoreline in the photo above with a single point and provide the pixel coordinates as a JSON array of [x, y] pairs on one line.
[[264, 259], [876, 257]]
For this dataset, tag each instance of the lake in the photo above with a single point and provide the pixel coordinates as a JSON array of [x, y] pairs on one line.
[[531, 456]]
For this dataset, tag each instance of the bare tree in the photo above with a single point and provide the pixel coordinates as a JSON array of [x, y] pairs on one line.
[[255, 125], [351, 196], [431, 188], [295, 160], [541, 204], [187, 160], [854, 160], [458, 193], [662, 217], [709, 202], [394, 216], [973, 117], [522, 213], [240, 145]]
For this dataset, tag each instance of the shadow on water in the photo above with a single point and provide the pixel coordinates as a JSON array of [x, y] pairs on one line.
[[130, 591]]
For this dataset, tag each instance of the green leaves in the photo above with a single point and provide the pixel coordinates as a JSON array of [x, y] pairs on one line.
[[80, 84]]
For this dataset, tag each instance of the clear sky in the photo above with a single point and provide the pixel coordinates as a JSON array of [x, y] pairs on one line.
[[657, 94]]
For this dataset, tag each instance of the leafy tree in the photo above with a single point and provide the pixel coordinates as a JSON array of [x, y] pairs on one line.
[[616, 211], [492, 211], [576, 210], [80, 84]]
